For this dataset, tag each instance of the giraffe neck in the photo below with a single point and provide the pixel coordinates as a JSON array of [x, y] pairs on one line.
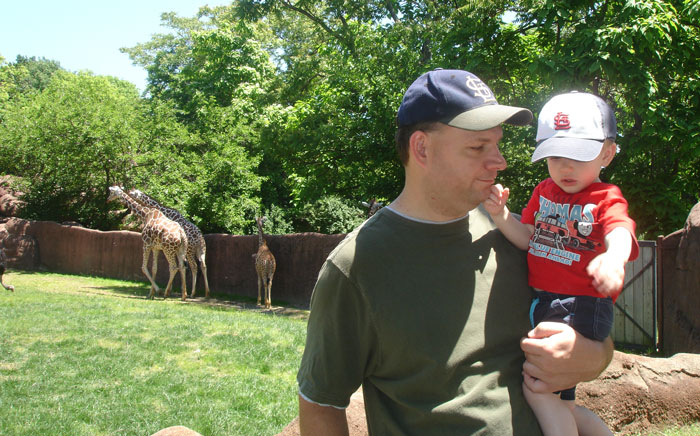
[[149, 201], [261, 240], [134, 206]]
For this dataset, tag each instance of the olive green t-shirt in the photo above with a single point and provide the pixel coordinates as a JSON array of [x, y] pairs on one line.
[[427, 318]]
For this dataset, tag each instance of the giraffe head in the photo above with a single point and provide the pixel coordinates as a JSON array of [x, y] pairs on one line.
[[115, 192], [372, 207]]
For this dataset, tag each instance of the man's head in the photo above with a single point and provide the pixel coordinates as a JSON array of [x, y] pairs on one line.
[[453, 97], [448, 140], [574, 125]]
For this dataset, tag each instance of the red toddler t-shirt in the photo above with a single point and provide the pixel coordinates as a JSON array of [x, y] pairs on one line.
[[570, 231]]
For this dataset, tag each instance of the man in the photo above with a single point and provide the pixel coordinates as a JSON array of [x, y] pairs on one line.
[[422, 304]]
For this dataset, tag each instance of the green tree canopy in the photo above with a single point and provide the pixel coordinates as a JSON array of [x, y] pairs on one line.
[[83, 133], [288, 107]]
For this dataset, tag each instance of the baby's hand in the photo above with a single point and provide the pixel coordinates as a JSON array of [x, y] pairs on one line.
[[497, 200], [608, 273]]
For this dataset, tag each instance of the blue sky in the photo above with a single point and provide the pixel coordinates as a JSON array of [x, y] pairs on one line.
[[87, 34]]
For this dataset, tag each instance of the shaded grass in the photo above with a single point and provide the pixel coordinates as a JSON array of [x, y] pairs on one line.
[[92, 356]]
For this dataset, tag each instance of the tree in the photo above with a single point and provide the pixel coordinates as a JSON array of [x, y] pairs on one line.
[[68, 142], [278, 104], [84, 133], [24, 76], [643, 58]]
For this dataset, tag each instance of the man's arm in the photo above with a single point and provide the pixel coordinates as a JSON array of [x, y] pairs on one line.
[[557, 357], [315, 420]]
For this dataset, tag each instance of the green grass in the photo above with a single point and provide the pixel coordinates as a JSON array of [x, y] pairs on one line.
[[91, 356]]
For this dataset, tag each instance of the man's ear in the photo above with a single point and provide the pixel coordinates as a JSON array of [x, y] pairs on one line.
[[417, 147]]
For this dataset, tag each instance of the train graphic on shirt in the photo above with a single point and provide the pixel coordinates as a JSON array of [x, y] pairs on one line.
[[558, 232]]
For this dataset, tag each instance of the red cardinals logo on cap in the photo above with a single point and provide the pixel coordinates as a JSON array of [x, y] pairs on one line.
[[561, 121]]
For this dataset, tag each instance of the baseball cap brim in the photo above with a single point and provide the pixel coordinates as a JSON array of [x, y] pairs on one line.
[[489, 116], [584, 150]]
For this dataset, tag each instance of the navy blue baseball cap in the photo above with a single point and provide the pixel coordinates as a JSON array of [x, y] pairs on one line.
[[459, 99]]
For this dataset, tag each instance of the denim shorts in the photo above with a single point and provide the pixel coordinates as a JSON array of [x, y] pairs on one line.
[[590, 316]]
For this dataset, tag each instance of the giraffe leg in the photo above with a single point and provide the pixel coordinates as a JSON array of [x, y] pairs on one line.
[[203, 264], [154, 267], [144, 268], [181, 267], [193, 267], [172, 266], [8, 287], [268, 293], [260, 282]]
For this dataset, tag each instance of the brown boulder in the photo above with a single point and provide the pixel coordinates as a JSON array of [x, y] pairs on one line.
[[177, 430], [9, 201], [21, 250], [679, 323], [637, 393]]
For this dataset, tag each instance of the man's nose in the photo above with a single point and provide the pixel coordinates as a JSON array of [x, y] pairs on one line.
[[496, 161]]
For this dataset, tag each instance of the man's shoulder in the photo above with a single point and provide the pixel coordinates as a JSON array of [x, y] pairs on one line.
[[359, 240], [480, 222]]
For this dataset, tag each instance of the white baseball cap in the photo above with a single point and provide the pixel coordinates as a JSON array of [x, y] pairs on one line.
[[574, 125]]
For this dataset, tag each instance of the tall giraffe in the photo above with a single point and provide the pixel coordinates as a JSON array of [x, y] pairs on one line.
[[265, 265], [3, 261], [196, 246], [158, 233]]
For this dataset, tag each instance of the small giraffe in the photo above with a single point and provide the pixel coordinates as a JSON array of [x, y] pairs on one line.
[[372, 207], [196, 246], [158, 233], [3, 262], [264, 265]]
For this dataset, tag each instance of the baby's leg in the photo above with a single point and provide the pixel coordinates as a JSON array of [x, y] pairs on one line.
[[554, 416], [587, 422]]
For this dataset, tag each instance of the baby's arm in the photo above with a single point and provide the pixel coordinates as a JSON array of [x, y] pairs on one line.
[[517, 233], [608, 269]]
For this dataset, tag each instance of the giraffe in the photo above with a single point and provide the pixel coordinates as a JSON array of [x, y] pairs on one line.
[[3, 262], [372, 207], [158, 233], [264, 265], [196, 246]]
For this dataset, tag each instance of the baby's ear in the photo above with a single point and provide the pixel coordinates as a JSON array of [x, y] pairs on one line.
[[609, 151]]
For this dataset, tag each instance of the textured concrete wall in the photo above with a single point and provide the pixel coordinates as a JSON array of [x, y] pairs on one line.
[[118, 254]]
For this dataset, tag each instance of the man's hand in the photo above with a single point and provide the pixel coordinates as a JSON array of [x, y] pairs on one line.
[[557, 357]]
